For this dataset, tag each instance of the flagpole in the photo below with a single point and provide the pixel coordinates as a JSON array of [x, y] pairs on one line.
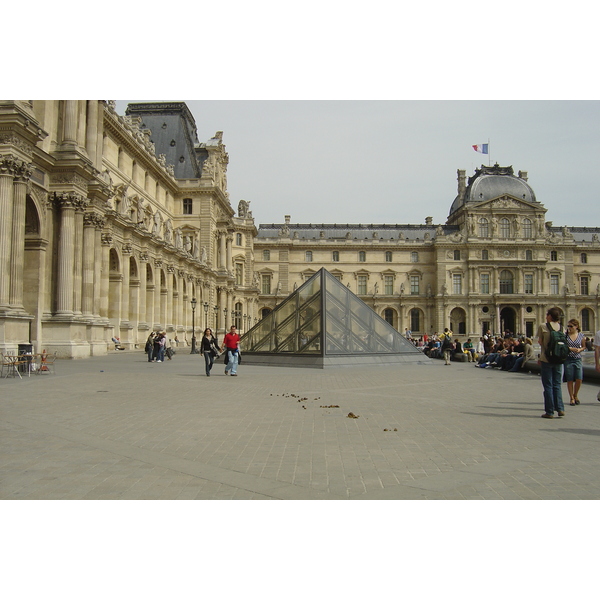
[[489, 154]]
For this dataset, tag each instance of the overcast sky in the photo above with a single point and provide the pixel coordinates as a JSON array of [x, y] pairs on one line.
[[396, 161]]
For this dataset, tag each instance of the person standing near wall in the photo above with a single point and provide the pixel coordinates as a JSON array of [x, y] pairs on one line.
[[551, 372]]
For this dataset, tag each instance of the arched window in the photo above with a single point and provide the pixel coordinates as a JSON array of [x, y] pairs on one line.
[[528, 255], [264, 312], [388, 315], [583, 258], [485, 255], [237, 317], [336, 256], [114, 261], [362, 256], [266, 255], [506, 282], [414, 257], [308, 256], [527, 229], [585, 319], [415, 320], [388, 257], [187, 206], [484, 229], [504, 228]]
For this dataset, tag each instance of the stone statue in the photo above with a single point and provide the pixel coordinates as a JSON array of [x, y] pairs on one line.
[[471, 224], [168, 228], [517, 225], [204, 257], [178, 238], [243, 207], [494, 226], [195, 248], [187, 244], [157, 223]]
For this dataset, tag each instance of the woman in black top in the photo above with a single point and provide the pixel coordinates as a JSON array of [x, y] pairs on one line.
[[210, 348]]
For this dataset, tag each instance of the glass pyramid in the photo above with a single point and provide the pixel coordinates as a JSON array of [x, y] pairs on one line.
[[323, 318]]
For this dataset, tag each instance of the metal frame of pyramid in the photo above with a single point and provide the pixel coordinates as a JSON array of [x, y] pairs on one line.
[[321, 324]]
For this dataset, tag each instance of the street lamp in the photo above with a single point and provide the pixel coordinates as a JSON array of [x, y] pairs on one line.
[[225, 318], [216, 309], [245, 321], [193, 303], [205, 315]]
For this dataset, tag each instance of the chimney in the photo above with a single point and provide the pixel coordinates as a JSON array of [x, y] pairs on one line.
[[523, 175], [462, 179], [428, 220], [287, 219]]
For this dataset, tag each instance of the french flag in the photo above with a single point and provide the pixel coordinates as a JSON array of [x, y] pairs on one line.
[[483, 148]]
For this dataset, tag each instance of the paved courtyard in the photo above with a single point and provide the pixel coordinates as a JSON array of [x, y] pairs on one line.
[[118, 427]]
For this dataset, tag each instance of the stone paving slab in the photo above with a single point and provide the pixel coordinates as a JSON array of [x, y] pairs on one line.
[[118, 427]]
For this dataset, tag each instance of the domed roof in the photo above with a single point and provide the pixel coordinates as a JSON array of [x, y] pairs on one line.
[[493, 182]]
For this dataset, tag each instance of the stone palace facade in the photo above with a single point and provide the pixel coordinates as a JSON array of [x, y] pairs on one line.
[[110, 225]]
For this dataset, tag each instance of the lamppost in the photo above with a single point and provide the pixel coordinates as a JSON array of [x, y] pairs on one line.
[[245, 321], [193, 303], [205, 315], [225, 319], [216, 309]]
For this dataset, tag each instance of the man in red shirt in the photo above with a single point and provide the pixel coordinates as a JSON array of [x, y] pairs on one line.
[[231, 343]]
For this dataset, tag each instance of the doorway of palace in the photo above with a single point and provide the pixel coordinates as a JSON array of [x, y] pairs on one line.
[[458, 321], [508, 320]]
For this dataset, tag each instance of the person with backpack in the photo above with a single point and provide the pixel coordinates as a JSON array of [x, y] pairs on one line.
[[554, 351], [447, 345]]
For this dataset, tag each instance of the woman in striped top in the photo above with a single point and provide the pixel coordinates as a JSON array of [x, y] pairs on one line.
[[573, 372]]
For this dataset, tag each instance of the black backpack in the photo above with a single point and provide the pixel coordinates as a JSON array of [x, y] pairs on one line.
[[557, 349]]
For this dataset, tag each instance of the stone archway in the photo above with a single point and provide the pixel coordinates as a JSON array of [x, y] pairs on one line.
[[508, 320], [458, 321]]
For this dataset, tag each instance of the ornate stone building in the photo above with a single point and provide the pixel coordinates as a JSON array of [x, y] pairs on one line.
[[103, 235], [110, 225], [495, 264]]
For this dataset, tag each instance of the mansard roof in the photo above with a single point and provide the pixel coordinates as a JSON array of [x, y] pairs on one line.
[[336, 231], [174, 134], [491, 182]]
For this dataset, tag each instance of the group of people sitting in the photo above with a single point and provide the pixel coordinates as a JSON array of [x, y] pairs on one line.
[[507, 354]]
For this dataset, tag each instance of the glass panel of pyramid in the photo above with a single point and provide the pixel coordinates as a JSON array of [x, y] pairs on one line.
[[324, 318]]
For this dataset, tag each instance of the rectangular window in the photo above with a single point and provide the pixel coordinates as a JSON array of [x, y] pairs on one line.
[[585, 286], [266, 284], [308, 256], [266, 255], [362, 256], [388, 284], [484, 281], [187, 206], [336, 256], [529, 283], [238, 239], [414, 285], [362, 284], [457, 283], [554, 282]]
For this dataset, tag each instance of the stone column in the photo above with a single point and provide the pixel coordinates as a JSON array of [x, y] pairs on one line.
[[81, 122], [230, 254], [142, 308], [157, 295], [99, 223], [91, 132], [125, 270], [87, 276], [180, 299], [78, 258], [66, 256], [70, 114], [223, 252], [17, 256], [6, 214], [106, 241]]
